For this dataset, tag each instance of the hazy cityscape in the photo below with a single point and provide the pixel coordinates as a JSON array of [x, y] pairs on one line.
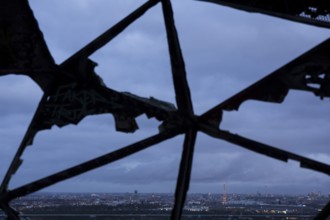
[[135, 205]]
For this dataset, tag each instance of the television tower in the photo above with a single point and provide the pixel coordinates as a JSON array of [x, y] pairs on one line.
[[224, 199]]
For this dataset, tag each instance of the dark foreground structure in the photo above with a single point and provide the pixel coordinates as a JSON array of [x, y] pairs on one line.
[[72, 91]]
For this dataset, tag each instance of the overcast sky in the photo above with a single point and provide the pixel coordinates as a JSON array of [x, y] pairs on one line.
[[225, 50]]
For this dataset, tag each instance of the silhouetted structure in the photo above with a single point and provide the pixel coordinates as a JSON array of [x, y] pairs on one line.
[[68, 85], [315, 12], [224, 197]]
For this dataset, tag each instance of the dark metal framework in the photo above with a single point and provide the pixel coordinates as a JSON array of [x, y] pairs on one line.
[[66, 86], [315, 12]]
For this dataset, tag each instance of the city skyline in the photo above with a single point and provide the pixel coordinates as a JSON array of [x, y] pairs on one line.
[[203, 206]]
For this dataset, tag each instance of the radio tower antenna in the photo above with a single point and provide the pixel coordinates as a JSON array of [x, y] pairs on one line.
[[224, 199]]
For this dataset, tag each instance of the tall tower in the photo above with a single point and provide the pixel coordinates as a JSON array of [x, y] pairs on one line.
[[224, 199]]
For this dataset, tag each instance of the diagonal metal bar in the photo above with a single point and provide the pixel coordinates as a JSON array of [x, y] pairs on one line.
[[89, 165], [324, 214], [10, 212], [183, 180], [27, 140], [275, 86], [298, 11], [181, 86], [264, 149], [110, 33]]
